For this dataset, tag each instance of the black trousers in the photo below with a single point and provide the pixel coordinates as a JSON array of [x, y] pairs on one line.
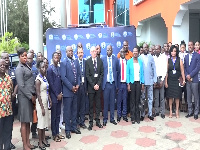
[[94, 98], [135, 100], [6, 124], [34, 128]]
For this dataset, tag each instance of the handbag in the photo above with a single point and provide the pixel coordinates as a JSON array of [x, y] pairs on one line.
[[35, 119]]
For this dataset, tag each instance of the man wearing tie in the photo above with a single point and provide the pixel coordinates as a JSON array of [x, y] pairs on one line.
[[94, 75], [70, 76], [109, 85], [122, 88], [81, 103], [191, 68]]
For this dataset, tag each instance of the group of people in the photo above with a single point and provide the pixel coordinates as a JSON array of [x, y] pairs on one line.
[[75, 87]]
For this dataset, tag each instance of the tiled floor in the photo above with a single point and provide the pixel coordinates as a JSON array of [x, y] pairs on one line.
[[160, 134]]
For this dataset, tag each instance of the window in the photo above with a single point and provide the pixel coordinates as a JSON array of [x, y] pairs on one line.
[[122, 13], [91, 11]]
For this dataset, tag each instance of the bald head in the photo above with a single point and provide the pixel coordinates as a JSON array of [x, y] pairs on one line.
[[109, 50], [5, 57], [30, 59], [69, 52], [93, 52]]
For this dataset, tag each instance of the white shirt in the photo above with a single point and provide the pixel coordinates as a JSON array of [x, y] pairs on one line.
[[182, 56], [190, 57], [161, 66], [109, 67], [136, 71], [124, 61], [145, 59]]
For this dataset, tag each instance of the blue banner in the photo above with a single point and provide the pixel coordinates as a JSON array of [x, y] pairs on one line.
[[60, 38]]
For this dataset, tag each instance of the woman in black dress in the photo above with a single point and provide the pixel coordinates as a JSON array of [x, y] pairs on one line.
[[172, 83]]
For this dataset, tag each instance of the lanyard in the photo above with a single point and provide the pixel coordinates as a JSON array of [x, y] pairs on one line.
[[173, 63]]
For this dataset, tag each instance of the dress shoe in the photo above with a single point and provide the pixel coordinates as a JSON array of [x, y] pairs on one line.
[[76, 131], [151, 118], [104, 123], [46, 129], [189, 115], [83, 126], [156, 114], [118, 119], [125, 119], [68, 135], [90, 127], [142, 118], [138, 122], [46, 144], [195, 117], [99, 125], [162, 116], [133, 122], [113, 122], [47, 137], [12, 146]]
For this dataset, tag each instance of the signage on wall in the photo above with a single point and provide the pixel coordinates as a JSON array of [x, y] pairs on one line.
[[136, 2], [114, 36]]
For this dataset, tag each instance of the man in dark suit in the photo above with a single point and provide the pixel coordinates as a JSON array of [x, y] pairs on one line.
[[81, 102], [55, 91], [192, 67], [109, 85], [122, 88], [70, 76], [94, 75]]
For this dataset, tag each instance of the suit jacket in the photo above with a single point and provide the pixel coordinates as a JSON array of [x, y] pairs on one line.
[[150, 75], [67, 77], [91, 80], [84, 74], [119, 73], [25, 81], [114, 69], [130, 71], [193, 68], [55, 84]]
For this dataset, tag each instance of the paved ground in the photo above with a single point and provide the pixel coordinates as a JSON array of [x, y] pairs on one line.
[[161, 134]]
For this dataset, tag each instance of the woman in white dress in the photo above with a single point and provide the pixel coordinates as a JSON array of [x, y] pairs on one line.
[[42, 102]]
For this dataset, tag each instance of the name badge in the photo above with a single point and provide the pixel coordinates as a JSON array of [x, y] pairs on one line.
[[174, 71], [82, 79], [95, 75]]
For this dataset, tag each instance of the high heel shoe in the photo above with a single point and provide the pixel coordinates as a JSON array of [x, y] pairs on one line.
[[46, 144], [42, 148]]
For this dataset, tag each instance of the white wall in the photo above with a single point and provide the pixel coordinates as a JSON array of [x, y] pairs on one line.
[[181, 32], [154, 31]]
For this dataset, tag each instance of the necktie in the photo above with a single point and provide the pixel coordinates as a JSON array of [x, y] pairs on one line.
[[74, 70], [81, 67], [122, 69], [110, 71], [95, 66]]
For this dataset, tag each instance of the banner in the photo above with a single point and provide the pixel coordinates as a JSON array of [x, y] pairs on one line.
[[58, 38]]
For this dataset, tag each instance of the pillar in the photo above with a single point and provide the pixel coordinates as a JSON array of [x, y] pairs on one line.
[[63, 13], [35, 25]]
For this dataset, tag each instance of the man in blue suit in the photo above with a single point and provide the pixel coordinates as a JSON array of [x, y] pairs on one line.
[[55, 91], [150, 78], [192, 67], [70, 76], [122, 88], [81, 102], [109, 86]]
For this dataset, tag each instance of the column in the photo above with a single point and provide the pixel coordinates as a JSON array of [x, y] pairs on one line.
[[63, 13], [35, 25]]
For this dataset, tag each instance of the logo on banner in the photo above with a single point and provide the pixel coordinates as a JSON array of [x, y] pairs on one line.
[[87, 35], [51, 37], [100, 35], [75, 36], [112, 34], [119, 44], [73, 46], [64, 37], [57, 47], [103, 45], [88, 46], [124, 33]]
